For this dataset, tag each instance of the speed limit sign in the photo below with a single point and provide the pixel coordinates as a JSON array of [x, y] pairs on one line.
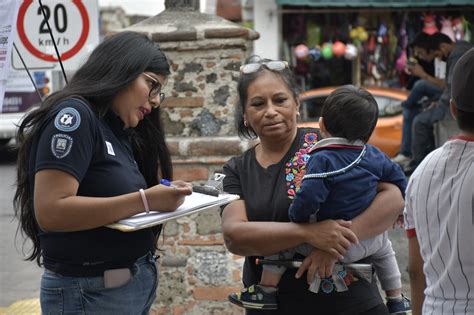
[[74, 25]]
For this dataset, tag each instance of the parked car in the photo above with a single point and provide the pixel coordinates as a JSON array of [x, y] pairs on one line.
[[387, 135]]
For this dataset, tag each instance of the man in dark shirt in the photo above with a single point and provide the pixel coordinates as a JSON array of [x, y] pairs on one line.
[[423, 137]]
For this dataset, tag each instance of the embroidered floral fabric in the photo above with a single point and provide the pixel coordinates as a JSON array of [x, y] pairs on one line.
[[296, 166]]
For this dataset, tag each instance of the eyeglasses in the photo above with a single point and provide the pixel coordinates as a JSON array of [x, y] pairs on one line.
[[270, 65], [155, 90]]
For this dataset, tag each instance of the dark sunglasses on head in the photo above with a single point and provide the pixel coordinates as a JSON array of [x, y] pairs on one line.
[[270, 65], [155, 89]]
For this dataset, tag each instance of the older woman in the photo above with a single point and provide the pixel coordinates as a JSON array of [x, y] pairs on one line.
[[266, 178]]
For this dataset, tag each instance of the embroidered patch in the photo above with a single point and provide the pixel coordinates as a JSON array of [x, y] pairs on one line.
[[296, 167], [61, 145], [67, 120], [110, 148]]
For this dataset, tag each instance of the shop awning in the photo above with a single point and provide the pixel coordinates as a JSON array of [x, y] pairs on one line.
[[376, 3]]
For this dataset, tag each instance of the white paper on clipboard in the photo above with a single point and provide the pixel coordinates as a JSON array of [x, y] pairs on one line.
[[193, 203]]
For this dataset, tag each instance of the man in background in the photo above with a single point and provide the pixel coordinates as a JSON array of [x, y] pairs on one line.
[[423, 136], [428, 86], [439, 212]]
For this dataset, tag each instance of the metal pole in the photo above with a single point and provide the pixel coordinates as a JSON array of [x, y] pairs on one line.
[[28, 71], [54, 42]]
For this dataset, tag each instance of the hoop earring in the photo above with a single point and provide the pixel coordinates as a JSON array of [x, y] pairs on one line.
[[246, 124]]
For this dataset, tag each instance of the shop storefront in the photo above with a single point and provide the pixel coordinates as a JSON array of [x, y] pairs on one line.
[[363, 42]]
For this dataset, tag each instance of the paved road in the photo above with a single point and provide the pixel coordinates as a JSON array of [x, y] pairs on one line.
[[18, 279]]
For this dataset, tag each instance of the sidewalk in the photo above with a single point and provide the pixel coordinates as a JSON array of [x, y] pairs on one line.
[[26, 307]]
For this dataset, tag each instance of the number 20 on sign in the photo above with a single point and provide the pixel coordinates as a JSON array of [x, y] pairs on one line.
[[74, 25]]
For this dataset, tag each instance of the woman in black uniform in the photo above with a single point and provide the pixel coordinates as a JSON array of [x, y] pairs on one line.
[[266, 178], [89, 156]]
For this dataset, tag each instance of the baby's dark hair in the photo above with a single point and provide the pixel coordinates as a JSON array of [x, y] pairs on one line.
[[350, 112]]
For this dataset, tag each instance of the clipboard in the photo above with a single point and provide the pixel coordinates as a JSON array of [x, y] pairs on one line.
[[196, 202]]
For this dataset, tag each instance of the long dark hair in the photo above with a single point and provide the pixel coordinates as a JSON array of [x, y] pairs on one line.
[[111, 67]]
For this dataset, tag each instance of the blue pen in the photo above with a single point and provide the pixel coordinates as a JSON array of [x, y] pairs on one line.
[[166, 182]]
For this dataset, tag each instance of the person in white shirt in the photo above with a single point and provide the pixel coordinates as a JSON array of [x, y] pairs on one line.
[[439, 212]]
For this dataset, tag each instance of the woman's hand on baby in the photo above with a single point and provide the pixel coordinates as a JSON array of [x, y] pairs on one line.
[[332, 236], [318, 262], [168, 198]]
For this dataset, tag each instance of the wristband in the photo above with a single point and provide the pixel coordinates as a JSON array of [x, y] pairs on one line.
[[145, 202]]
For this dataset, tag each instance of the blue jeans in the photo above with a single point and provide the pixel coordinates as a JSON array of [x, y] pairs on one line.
[[423, 136], [411, 109], [87, 295]]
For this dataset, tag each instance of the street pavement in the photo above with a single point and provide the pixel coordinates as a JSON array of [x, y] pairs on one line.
[[19, 279]]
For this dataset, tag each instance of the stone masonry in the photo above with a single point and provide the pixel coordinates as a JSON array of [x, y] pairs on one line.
[[205, 53]]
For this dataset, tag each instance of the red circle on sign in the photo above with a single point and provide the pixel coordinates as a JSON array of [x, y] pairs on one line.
[[64, 56]]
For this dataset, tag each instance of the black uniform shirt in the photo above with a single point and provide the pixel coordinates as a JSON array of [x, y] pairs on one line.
[[97, 152]]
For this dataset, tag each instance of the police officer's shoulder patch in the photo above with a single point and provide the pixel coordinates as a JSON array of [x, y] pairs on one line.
[[61, 145], [67, 120]]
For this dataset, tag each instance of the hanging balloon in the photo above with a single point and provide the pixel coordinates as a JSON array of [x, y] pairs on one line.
[[315, 53], [363, 35], [351, 52], [429, 24], [354, 34], [338, 48], [326, 51], [301, 51]]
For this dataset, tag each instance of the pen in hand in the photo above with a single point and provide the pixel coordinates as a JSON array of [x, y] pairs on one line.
[[166, 182]]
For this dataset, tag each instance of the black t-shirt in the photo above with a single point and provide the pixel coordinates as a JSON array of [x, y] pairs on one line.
[[267, 193], [98, 153]]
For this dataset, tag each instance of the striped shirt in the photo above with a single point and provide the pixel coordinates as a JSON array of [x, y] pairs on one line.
[[439, 210]]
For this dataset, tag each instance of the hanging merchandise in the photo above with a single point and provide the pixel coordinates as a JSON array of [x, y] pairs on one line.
[[326, 51], [315, 53], [359, 34], [458, 28], [467, 30], [351, 52], [429, 24], [301, 51], [401, 62], [447, 28], [371, 44], [313, 34], [338, 48]]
